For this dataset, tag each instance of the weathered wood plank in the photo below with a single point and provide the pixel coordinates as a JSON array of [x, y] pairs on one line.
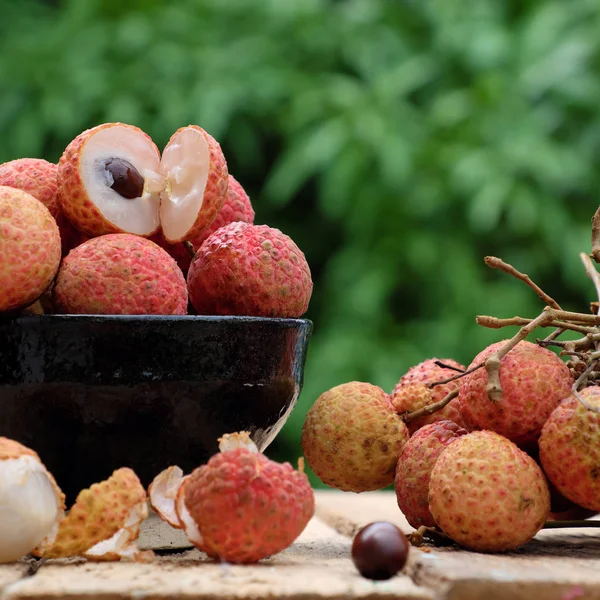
[[557, 565]]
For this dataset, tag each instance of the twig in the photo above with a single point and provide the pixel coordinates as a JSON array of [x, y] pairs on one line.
[[556, 333], [497, 263], [455, 377], [190, 248], [591, 272], [582, 380], [596, 236], [496, 323], [429, 409], [442, 364]]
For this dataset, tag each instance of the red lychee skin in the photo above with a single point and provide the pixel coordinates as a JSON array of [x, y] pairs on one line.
[[534, 381], [251, 270], [215, 191], [72, 194], [120, 274], [39, 178], [352, 437], [413, 470], [29, 248], [237, 207], [246, 506], [35, 176], [425, 373], [570, 449], [487, 494]]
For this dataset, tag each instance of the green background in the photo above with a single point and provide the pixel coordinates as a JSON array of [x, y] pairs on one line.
[[397, 142]]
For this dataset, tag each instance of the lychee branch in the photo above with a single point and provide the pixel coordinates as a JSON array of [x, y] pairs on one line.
[[429, 409], [591, 272], [442, 364], [496, 323], [596, 236], [497, 263]]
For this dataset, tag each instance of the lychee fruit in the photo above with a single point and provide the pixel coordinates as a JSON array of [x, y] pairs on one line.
[[104, 522], [29, 248], [413, 470], [352, 437], [533, 379], [112, 179], [570, 449], [31, 504], [120, 274], [411, 392], [250, 270], [487, 494], [241, 507], [237, 207]]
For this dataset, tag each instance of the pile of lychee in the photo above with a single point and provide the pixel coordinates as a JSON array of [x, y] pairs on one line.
[[239, 507], [489, 474], [117, 227]]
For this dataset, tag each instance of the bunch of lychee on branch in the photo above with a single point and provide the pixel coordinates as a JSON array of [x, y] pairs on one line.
[[484, 455]]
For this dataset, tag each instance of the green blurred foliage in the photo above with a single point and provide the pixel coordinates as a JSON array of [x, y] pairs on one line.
[[398, 142]]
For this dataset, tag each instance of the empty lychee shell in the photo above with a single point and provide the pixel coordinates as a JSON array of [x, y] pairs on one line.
[[112, 180], [163, 494], [104, 522], [31, 504]]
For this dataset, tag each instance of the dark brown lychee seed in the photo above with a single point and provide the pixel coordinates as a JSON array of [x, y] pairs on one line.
[[126, 179], [379, 550]]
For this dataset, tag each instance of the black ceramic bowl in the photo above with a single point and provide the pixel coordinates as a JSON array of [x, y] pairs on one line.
[[94, 393]]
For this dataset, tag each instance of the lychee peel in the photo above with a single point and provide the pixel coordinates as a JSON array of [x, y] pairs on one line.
[[570, 449], [163, 494], [487, 494], [534, 381], [413, 470], [30, 249], [352, 437], [411, 392], [251, 270], [245, 507], [98, 514], [120, 274]]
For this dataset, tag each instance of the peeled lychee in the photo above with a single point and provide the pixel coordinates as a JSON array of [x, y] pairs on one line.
[[570, 449], [533, 379], [240, 507], [29, 248], [413, 470], [112, 179], [487, 494], [31, 504], [412, 393], [352, 437], [104, 522], [251, 270], [120, 274]]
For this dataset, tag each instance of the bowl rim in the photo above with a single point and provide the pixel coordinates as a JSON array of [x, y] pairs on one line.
[[159, 319]]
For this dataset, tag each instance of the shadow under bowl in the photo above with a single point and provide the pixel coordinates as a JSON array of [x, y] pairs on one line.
[[94, 393]]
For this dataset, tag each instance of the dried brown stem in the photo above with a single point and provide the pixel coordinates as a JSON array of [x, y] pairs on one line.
[[496, 323], [591, 271], [430, 408], [568, 524], [580, 382], [442, 364], [596, 236], [455, 377], [497, 263], [555, 334], [190, 248]]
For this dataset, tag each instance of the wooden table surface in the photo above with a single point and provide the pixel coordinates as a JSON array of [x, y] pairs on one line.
[[557, 564]]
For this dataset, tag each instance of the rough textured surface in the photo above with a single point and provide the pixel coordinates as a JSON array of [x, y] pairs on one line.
[[215, 191], [570, 449], [29, 248], [533, 379], [98, 513], [246, 506], [120, 274], [352, 437], [74, 200], [487, 494], [316, 566], [251, 270], [414, 469], [408, 395]]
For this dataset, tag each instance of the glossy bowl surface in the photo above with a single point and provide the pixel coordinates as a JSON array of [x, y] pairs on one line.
[[94, 393]]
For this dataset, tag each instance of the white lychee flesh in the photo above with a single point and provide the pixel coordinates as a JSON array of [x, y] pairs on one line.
[[29, 506], [138, 215]]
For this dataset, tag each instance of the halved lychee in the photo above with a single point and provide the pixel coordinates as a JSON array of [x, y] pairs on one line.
[[112, 179]]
